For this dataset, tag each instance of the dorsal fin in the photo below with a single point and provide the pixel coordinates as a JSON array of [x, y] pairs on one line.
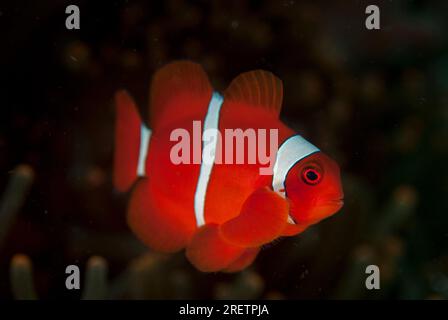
[[257, 88], [183, 82]]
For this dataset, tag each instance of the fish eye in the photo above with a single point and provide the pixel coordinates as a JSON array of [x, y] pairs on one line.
[[311, 175]]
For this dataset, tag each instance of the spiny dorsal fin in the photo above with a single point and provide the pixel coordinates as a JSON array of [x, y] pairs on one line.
[[180, 81], [258, 88]]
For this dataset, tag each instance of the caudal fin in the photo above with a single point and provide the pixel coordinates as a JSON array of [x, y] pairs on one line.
[[131, 143]]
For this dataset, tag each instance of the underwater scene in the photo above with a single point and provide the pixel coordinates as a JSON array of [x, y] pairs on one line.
[[242, 150]]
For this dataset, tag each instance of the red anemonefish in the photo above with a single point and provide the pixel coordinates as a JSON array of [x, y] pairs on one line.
[[220, 213]]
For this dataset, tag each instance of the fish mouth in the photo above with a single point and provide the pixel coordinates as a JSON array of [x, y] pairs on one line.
[[327, 208], [335, 200], [322, 209], [338, 202]]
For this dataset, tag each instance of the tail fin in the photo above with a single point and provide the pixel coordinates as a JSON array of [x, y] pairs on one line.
[[131, 143]]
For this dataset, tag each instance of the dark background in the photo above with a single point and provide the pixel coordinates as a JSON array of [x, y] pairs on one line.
[[376, 101]]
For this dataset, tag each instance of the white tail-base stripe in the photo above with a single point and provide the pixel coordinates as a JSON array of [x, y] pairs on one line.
[[210, 123], [145, 136]]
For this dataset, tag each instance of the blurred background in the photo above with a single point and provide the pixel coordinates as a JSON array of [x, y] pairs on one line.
[[376, 101]]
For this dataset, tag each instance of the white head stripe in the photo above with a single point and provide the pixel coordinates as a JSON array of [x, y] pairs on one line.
[[292, 150], [145, 136], [211, 122]]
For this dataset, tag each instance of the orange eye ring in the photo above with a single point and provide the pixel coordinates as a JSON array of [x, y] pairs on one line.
[[311, 175]]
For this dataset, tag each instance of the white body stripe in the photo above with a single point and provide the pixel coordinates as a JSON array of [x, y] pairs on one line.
[[210, 123], [293, 150], [145, 136]]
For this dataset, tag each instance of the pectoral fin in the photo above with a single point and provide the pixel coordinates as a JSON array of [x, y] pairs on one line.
[[262, 219]]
